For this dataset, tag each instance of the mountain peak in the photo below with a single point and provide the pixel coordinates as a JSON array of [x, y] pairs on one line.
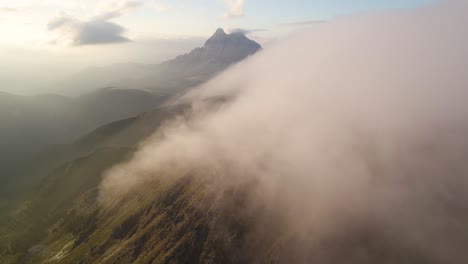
[[217, 37], [220, 32], [228, 44], [221, 49]]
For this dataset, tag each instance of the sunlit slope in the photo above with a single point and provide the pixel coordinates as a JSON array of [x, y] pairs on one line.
[[31, 124], [67, 172], [198, 217]]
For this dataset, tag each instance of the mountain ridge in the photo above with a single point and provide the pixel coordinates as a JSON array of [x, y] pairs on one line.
[[197, 218], [33, 124], [192, 68], [221, 48]]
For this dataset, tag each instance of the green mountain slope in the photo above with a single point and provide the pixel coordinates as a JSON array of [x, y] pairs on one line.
[[69, 171], [36, 127], [31, 123], [191, 218]]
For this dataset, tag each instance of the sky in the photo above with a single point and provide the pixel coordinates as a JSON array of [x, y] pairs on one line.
[[45, 40]]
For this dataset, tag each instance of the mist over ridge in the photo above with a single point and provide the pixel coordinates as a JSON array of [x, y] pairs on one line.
[[342, 141], [354, 126]]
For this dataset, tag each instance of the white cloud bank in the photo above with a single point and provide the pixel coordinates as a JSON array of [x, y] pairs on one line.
[[361, 122]]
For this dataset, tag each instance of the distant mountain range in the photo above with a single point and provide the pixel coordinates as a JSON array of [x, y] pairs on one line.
[[220, 51]]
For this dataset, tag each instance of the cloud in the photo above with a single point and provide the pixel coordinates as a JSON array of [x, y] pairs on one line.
[[9, 10], [77, 33], [355, 133], [304, 23], [117, 9], [97, 30], [245, 31], [160, 7], [235, 8]]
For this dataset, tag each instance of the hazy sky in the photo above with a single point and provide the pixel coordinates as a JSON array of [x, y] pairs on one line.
[[45, 40]]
